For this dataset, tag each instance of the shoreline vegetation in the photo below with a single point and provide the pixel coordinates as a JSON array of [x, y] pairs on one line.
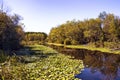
[[101, 33], [88, 47], [40, 63]]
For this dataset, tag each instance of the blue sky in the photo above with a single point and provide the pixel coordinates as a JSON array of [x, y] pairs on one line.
[[42, 15]]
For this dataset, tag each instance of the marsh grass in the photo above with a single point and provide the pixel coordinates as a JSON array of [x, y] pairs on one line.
[[88, 47], [94, 48]]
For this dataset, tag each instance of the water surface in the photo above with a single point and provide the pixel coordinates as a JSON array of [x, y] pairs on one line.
[[98, 65]]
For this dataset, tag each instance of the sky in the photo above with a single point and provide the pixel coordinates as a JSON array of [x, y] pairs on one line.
[[42, 15]]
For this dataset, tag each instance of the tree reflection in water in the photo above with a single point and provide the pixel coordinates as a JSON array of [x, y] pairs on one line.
[[98, 65]]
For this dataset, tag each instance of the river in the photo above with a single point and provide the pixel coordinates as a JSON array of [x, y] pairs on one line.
[[98, 65]]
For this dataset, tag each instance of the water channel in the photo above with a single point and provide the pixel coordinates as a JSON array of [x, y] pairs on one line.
[[98, 65]]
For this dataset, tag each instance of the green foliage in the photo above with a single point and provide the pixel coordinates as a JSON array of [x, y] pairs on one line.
[[93, 30], [112, 45], [31, 38], [69, 31], [67, 42], [105, 28], [53, 66], [112, 28], [11, 32]]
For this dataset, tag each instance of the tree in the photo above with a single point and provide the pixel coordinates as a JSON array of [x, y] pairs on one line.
[[104, 28], [102, 15], [11, 33], [93, 30], [3, 7], [111, 27], [35, 37]]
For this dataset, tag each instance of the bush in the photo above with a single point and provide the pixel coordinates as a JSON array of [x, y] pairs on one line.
[[112, 45], [67, 42], [74, 42]]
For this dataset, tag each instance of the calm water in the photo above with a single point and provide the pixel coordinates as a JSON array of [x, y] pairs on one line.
[[98, 65]]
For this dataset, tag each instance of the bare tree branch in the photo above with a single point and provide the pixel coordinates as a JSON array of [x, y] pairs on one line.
[[4, 7]]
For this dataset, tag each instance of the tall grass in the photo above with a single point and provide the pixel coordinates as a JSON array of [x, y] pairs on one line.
[[3, 56]]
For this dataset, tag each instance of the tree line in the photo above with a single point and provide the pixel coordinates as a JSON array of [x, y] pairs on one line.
[[34, 38], [12, 34], [104, 28]]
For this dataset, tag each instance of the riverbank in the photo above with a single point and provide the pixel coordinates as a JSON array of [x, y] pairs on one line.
[[88, 48], [40, 63]]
